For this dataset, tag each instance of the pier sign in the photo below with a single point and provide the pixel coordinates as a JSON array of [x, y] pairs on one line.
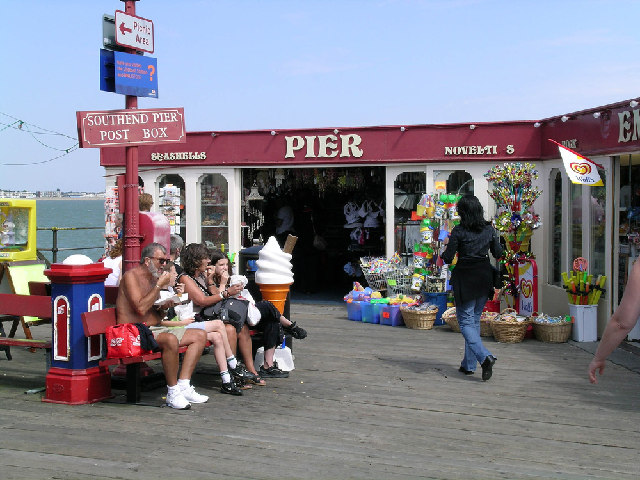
[[134, 32], [118, 128]]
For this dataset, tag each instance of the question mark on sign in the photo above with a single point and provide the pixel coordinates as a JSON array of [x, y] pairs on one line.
[[152, 71]]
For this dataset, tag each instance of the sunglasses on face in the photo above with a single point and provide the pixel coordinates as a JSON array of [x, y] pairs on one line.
[[161, 260]]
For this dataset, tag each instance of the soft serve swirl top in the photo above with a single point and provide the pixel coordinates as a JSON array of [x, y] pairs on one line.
[[274, 265]]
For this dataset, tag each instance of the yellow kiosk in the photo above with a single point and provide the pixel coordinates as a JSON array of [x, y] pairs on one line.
[[19, 263]]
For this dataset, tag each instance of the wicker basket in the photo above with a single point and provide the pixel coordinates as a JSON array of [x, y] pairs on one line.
[[485, 323], [508, 330], [449, 317], [552, 332], [419, 319]]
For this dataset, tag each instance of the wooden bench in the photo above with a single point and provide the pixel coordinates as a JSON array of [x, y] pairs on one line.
[[12, 308], [97, 323]]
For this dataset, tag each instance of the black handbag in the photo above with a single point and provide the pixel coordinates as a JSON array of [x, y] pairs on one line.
[[230, 310]]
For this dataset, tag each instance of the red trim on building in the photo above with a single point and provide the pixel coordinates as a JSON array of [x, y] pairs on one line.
[[615, 129]]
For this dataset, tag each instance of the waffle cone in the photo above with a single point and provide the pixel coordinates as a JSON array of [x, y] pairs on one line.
[[275, 293]]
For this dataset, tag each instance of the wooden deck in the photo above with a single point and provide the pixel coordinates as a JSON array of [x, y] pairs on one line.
[[365, 401]]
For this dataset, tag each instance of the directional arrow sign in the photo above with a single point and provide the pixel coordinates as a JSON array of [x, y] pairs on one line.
[[134, 32]]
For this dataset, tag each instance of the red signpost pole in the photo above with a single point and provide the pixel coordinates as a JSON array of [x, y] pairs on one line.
[[131, 215]]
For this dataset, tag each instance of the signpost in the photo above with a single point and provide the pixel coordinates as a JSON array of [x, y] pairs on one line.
[[117, 128], [133, 75], [134, 32]]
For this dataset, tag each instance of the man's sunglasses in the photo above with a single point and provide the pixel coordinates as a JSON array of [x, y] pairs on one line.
[[162, 261]]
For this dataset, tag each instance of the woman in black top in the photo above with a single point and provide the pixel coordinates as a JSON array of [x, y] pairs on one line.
[[472, 279]]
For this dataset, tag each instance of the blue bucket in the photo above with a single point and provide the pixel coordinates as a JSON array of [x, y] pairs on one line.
[[438, 299]]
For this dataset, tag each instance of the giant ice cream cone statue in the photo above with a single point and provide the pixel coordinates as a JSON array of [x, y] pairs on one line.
[[274, 275]]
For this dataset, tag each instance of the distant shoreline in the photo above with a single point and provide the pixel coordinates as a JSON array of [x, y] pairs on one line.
[[65, 198]]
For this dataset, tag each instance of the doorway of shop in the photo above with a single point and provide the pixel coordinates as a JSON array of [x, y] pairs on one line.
[[336, 213]]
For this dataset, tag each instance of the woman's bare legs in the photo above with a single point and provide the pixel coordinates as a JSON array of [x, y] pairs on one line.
[[232, 337], [219, 327], [218, 350], [246, 349]]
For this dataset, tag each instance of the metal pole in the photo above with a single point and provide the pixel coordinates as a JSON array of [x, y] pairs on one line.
[[131, 215], [54, 247]]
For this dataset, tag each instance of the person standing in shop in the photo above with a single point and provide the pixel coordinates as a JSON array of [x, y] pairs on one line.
[[284, 223], [472, 279]]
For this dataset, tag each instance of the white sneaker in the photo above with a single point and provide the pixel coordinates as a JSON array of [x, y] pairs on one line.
[[192, 396], [177, 400]]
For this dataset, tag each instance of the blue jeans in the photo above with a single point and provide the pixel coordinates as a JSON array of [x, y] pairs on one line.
[[469, 320]]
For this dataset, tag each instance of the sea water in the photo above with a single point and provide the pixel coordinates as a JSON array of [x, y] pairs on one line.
[[71, 213]]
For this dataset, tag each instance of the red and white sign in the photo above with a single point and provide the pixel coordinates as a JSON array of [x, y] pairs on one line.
[[117, 128], [134, 32], [61, 329]]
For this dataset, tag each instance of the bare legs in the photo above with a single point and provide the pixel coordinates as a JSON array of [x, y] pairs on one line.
[[218, 327], [195, 341]]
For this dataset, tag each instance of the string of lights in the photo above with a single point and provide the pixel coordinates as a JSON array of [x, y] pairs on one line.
[[34, 131]]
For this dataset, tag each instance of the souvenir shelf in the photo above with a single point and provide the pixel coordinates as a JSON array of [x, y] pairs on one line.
[[214, 211], [170, 206]]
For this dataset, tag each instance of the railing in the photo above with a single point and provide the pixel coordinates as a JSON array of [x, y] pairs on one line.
[[54, 245]]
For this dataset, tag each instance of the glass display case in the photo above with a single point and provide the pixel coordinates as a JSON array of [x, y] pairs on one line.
[[214, 213], [171, 199]]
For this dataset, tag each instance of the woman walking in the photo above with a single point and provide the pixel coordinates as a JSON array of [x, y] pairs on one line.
[[472, 279]]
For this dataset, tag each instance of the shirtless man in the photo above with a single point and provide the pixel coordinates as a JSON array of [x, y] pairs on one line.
[[139, 289]]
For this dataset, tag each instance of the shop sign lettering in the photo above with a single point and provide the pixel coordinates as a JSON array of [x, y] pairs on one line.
[[324, 146], [629, 126], [476, 150], [159, 157], [571, 143]]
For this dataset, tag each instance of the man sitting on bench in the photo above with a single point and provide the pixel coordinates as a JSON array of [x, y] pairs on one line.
[[139, 289]]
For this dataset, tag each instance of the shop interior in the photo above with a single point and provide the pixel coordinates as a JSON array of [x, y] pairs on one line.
[[336, 213]]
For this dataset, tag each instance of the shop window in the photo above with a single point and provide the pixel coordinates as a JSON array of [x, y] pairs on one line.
[[575, 192], [171, 202], [555, 216], [460, 182], [628, 218], [597, 209], [588, 207], [214, 195], [408, 189]]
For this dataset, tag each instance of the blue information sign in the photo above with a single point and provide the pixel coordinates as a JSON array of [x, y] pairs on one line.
[[128, 74]]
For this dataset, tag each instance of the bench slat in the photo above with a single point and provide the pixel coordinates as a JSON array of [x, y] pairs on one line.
[[25, 342], [25, 305]]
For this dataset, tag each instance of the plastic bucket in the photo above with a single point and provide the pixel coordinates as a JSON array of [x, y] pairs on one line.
[[354, 312], [438, 299], [370, 312], [390, 315]]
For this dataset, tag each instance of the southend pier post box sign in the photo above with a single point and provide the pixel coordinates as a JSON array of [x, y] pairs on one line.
[[117, 128]]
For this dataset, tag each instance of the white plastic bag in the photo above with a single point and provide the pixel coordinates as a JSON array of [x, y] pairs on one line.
[[283, 356]]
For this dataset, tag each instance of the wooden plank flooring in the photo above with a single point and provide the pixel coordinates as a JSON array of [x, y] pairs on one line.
[[365, 402]]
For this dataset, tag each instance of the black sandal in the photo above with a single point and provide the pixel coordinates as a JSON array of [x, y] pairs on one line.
[[255, 379]]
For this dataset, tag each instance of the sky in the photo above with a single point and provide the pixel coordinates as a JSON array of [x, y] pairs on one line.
[[275, 64]]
